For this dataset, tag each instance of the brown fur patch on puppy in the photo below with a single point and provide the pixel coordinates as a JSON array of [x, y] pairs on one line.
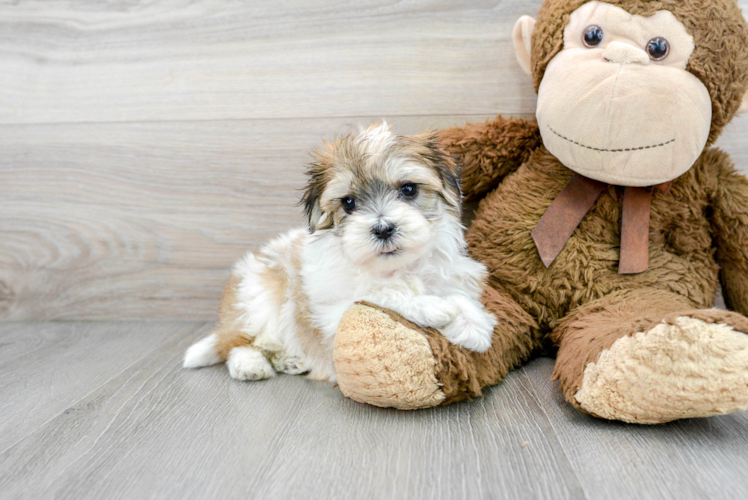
[[276, 282], [228, 331]]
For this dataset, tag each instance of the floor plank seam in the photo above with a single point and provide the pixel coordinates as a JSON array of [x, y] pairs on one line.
[[528, 387], [116, 416]]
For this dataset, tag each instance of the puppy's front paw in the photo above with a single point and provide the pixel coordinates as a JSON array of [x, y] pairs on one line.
[[432, 312], [247, 363], [472, 335]]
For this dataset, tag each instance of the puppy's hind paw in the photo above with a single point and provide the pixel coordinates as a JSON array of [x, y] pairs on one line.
[[292, 365], [247, 363]]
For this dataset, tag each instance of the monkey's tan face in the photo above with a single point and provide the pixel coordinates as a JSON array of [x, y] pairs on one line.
[[617, 104]]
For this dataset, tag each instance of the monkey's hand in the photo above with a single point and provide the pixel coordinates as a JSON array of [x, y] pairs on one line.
[[489, 151]]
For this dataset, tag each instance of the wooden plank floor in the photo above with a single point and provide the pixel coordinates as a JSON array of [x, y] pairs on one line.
[[143, 427]]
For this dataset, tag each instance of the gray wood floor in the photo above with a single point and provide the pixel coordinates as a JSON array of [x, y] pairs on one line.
[[104, 410]]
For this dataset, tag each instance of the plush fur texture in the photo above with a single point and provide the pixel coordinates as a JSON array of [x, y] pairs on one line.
[[580, 305], [384, 226], [690, 366], [376, 350], [376, 366]]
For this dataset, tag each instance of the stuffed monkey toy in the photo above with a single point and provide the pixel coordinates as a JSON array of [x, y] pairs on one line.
[[606, 225]]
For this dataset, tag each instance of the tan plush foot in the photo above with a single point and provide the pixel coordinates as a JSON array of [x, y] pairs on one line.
[[684, 369], [383, 362]]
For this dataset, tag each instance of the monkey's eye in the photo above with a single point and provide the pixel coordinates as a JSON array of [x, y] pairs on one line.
[[593, 35], [349, 204], [658, 48], [409, 190]]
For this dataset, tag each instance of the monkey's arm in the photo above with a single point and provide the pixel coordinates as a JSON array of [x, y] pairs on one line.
[[730, 222], [489, 151]]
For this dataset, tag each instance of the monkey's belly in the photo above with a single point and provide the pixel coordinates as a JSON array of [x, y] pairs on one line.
[[681, 255]]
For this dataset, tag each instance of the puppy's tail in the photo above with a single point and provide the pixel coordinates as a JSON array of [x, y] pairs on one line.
[[202, 353]]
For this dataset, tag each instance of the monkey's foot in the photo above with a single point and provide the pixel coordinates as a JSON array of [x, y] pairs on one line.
[[681, 368]]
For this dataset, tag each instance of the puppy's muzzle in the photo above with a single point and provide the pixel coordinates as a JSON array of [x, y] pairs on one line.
[[383, 231]]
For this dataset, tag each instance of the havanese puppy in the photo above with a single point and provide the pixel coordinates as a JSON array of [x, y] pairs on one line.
[[384, 227]]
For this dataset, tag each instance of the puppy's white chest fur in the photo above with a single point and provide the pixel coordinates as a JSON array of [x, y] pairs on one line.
[[333, 284]]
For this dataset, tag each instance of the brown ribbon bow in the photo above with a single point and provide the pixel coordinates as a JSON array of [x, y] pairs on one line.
[[575, 201]]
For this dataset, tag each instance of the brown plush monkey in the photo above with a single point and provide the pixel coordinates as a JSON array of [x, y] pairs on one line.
[[584, 253]]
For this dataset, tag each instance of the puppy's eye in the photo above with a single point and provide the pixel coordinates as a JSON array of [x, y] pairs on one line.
[[409, 190], [658, 48], [349, 204], [593, 35]]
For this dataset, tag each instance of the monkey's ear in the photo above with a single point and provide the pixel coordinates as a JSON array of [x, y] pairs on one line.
[[522, 37], [744, 107]]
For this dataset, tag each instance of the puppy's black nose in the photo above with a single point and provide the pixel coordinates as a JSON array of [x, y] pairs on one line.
[[384, 231]]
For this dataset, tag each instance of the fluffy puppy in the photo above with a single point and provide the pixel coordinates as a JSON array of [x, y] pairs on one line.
[[384, 227]]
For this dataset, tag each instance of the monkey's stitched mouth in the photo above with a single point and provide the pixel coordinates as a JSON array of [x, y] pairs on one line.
[[610, 150]]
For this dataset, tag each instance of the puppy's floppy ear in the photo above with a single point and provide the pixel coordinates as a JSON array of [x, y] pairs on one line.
[[449, 171], [310, 202], [316, 183]]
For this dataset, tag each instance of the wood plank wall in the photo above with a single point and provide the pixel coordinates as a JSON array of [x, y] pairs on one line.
[[144, 146]]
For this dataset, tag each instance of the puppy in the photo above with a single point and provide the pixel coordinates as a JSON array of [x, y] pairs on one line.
[[384, 227]]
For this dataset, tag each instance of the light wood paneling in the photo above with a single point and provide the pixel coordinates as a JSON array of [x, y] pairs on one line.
[[131, 60], [112, 221], [148, 145], [126, 60], [145, 220]]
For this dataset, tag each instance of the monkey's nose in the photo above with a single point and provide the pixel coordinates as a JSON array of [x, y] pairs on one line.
[[624, 53], [383, 231]]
